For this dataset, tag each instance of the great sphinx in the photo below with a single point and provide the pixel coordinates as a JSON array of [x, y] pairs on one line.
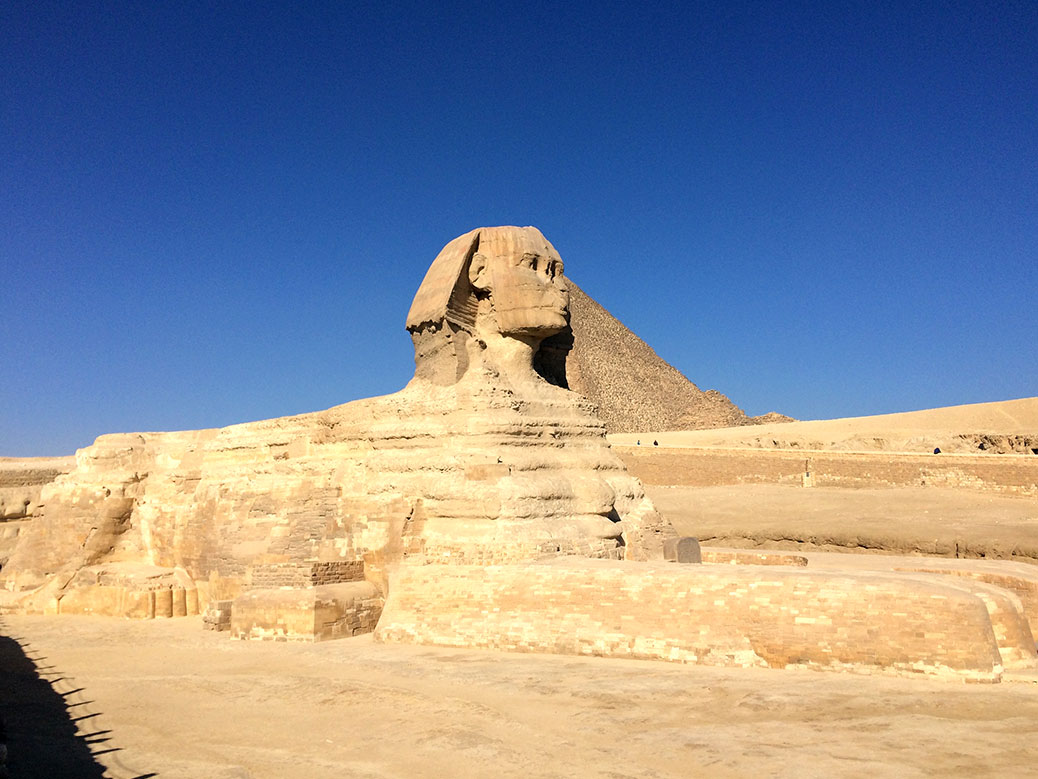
[[480, 506], [479, 459]]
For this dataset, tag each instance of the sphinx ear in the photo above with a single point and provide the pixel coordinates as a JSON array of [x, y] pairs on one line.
[[479, 274]]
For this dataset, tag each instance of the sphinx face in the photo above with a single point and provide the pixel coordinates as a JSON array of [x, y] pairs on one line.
[[501, 284], [528, 293]]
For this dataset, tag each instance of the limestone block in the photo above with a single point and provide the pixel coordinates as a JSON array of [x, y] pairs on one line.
[[682, 550], [218, 615], [179, 602], [114, 601], [163, 603], [306, 614]]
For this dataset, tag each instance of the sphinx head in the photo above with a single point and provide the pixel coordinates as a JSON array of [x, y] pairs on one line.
[[499, 286], [519, 274]]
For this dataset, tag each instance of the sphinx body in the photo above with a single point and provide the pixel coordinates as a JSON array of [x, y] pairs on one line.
[[477, 460]]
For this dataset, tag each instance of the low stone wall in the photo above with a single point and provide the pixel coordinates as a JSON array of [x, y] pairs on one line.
[[23, 478], [1008, 474], [26, 471], [707, 614], [1017, 578], [1010, 625]]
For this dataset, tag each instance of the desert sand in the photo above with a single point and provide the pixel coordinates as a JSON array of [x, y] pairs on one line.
[[931, 520], [1010, 425], [188, 703]]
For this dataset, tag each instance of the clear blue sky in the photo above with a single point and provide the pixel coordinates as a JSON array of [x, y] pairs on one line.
[[217, 212]]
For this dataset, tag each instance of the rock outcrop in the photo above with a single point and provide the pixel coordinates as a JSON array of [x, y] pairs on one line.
[[22, 480]]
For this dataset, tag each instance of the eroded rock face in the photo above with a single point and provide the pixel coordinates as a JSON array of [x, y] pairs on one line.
[[22, 480], [477, 460]]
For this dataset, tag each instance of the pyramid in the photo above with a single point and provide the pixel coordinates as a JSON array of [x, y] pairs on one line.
[[635, 389]]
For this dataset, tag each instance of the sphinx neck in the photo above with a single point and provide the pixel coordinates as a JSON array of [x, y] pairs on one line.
[[511, 357]]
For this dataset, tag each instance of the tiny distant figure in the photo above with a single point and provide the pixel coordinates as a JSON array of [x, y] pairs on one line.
[[639, 442], [937, 450], [655, 443]]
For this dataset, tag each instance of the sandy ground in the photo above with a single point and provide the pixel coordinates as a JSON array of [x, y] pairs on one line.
[[911, 520], [912, 431], [165, 698]]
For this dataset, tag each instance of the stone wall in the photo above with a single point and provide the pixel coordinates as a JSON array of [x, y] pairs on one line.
[[709, 614], [22, 471], [307, 574], [1017, 578], [1007, 474], [744, 557]]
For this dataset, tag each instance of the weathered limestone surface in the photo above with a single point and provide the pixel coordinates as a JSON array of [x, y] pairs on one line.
[[477, 460], [135, 590], [22, 480], [708, 614], [315, 614], [1020, 579]]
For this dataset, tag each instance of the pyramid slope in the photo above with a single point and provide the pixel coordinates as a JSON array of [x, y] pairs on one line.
[[634, 387]]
